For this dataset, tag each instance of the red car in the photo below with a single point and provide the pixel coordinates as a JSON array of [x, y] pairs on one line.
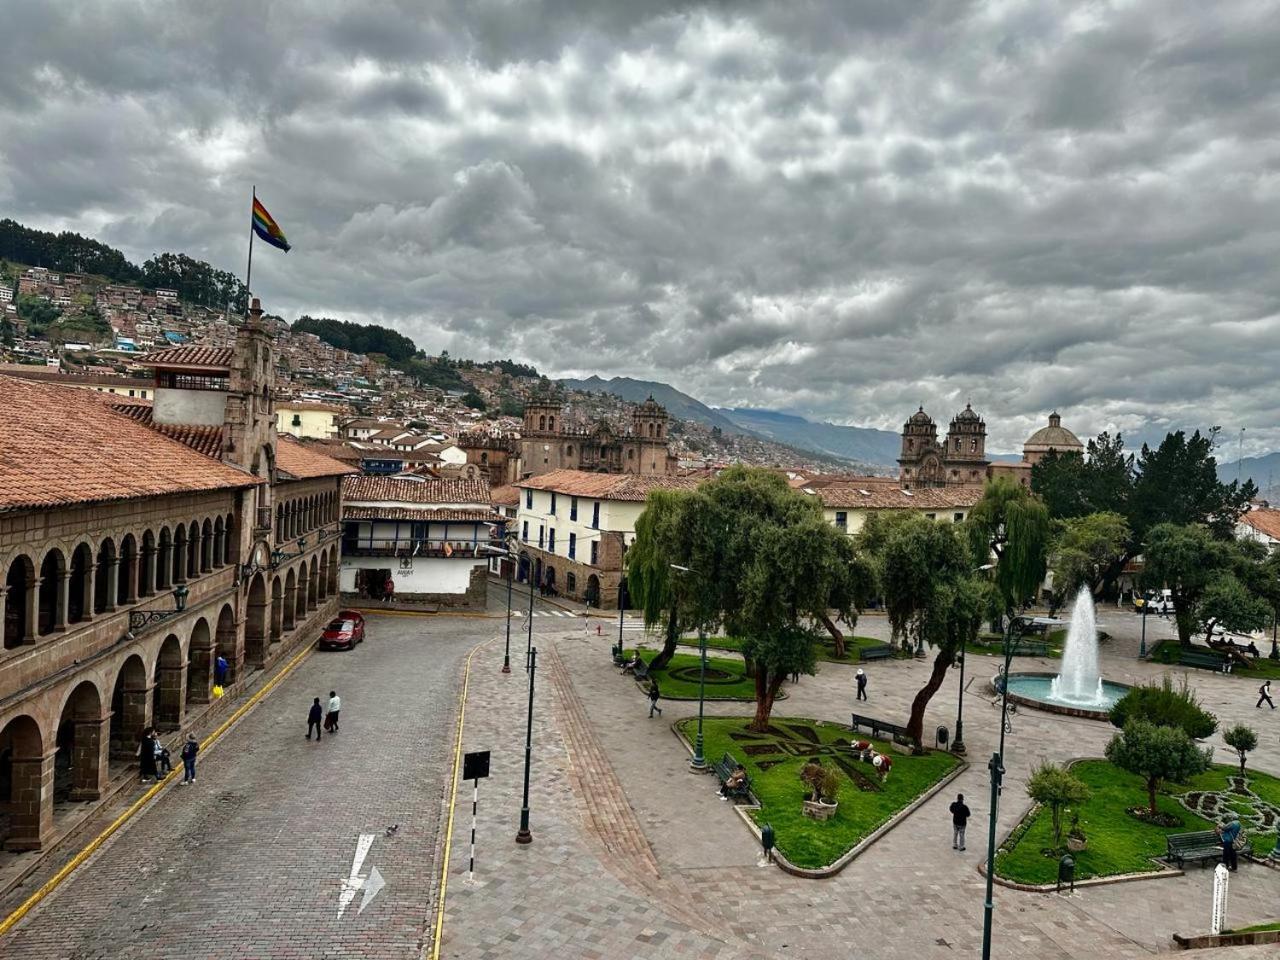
[[343, 632]]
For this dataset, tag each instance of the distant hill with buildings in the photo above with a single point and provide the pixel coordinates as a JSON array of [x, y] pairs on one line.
[[679, 405], [1263, 471], [863, 444]]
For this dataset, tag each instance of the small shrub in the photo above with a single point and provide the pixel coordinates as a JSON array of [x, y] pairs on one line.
[[1241, 739], [1057, 789], [1164, 705]]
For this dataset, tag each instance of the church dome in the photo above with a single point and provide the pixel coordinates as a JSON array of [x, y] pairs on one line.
[[967, 415], [920, 417], [651, 408], [1053, 437]]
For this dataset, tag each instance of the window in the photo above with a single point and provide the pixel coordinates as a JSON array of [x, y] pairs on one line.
[[931, 516], [595, 552], [631, 454], [973, 445], [573, 545], [297, 419], [551, 540], [542, 532], [957, 443], [571, 583], [528, 499], [573, 510], [842, 519], [569, 450], [524, 533], [553, 504], [131, 393], [957, 517], [595, 515]]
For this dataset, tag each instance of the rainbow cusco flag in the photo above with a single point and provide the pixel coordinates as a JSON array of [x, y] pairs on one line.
[[265, 226]]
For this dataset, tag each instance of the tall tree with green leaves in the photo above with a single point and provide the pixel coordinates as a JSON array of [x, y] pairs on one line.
[[1073, 485], [661, 540], [1085, 552], [1178, 483], [1157, 754], [931, 594], [1011, 523]]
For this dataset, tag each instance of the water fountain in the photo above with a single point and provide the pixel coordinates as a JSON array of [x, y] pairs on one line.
[[1078, 689]]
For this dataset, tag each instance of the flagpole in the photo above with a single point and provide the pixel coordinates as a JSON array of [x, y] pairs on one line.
[[248, 276]]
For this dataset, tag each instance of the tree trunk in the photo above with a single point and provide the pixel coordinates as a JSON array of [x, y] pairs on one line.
[[1242, 764], [1151, 792], [767, 686], [668, 645], [836, 636], [941, 664], [1185, 623]]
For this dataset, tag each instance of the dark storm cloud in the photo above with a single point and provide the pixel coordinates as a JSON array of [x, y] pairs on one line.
[[844, 209]]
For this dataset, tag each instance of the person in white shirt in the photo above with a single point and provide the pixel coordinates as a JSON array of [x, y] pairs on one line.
[[331, 718]]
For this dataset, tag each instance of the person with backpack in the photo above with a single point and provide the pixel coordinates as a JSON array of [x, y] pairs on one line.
[[1228, 835], [653, 698], [959, 820], [189, 750], [147, 756]]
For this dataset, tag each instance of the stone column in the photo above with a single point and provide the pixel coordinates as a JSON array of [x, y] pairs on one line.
[[179, 558], [173, 686], [31, 810], [145, 581], [135, 576], [89, 757], [62, 601], [88, 590], [32, 624], [135, 716], [113, 582], [202, 665]]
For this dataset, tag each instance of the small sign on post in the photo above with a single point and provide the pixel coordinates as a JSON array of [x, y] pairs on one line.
[[475, 767], [1221, 877]]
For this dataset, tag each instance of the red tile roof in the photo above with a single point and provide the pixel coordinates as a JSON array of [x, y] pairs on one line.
[[881, 496], [64, 445], [300, 462], [1266, 521], [203, 358], [606, 486], [420, 514], [504, 496], [407, 490], [206, 439]]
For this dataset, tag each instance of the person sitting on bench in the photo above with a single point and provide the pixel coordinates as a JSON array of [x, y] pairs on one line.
[[734, 782], [631, 665]]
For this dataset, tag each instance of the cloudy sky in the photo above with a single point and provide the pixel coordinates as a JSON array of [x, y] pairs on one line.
[[839, 209]]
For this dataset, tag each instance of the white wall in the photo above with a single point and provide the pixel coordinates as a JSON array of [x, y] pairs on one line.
[[202, 407], [615, 515], [427, 574]]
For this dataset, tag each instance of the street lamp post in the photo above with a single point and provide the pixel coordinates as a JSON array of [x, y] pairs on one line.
[[511, 556], [1275, 651], [523, 835], [1016, 625], [622, 609], [699, 762], [1142, 644], [957, 744], [528, 648]]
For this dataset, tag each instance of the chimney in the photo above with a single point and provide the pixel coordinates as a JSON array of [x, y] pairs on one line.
[[255, 312]]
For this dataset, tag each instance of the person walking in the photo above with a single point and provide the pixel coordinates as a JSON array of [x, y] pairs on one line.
[[314, 716], [862, 684], [959, 820], [220, 668], [653, 698], [189, 751], [331, 718], [163, 764], [147, 756], [1264, 694], [1228, 836], [388, 590]]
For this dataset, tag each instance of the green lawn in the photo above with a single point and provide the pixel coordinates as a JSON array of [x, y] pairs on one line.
[[1118, 843], [1166, 651], [824, 650], [774, 763], [678, 680], [1273, 925]]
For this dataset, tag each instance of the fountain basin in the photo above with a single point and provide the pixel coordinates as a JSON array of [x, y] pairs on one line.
[[1035, 690]]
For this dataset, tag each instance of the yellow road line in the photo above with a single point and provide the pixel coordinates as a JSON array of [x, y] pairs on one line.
[[453, 799], [56, 880]]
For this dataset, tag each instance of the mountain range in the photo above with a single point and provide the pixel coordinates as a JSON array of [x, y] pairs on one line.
[[1263, 471]]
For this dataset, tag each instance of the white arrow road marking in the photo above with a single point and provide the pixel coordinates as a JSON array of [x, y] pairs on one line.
[[354, 882], [371, 888]]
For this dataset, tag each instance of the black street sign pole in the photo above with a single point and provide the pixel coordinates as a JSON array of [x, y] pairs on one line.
[[529, 644], [475, 767], [506, 653], [524, 836]]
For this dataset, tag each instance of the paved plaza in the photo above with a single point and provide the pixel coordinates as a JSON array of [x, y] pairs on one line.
[[633, 856]]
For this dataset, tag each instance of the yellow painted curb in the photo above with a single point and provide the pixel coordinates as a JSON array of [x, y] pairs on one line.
[[453, 800], [70, 867]]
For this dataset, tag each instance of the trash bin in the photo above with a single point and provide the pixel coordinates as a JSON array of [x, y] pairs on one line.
[[766, 839], [1066, 873], [940, 737]]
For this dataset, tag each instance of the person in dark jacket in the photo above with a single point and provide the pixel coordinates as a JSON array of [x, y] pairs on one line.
[[653, 698], [1228, 836], [220, 668], [959, 820], [1264, 695], [147, 756], [189, 751], [862, 684], [314, 716]]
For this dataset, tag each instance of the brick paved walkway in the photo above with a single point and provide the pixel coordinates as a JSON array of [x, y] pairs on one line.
[[250, 861]]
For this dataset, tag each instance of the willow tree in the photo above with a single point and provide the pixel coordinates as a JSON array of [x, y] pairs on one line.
[[661, 540], [931, 594], [765, 564], [1014, 526]]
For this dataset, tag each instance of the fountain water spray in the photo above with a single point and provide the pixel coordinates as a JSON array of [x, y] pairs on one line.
[[1080, 683]]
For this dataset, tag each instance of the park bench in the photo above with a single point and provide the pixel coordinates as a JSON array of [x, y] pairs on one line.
[[724, 769], [895, 732], [881, 652], [641, 672], [1206, 660], [1201, 845], [1031, 648]]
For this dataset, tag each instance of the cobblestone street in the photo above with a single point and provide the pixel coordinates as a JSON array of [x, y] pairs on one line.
[[250, 862]]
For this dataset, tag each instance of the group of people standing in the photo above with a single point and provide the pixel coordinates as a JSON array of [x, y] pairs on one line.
[[317, 713], [153, 757]]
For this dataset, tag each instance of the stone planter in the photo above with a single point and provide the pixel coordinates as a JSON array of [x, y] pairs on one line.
[[1076, 844], [817, 810]]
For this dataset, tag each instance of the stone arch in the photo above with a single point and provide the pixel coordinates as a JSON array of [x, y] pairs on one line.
[[193, 551], [522, 571], [52, 593], [199, 664], [333, 571], [592, 594], [225, 638], [277, 611], [179, 570], [323, 582], [83, 738], [80, 584], [130, 708], [147, 565], [290, 613], [300, 594], [26, 781], [228, 546], [164, 560], [255, 628], [313, 585], [219, 544], [206, 546], [106, 569], [21, 603], [127, 571], [280, 528], [168, 705]]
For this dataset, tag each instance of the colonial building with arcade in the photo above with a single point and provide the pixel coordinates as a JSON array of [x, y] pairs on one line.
[[140, 540]]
